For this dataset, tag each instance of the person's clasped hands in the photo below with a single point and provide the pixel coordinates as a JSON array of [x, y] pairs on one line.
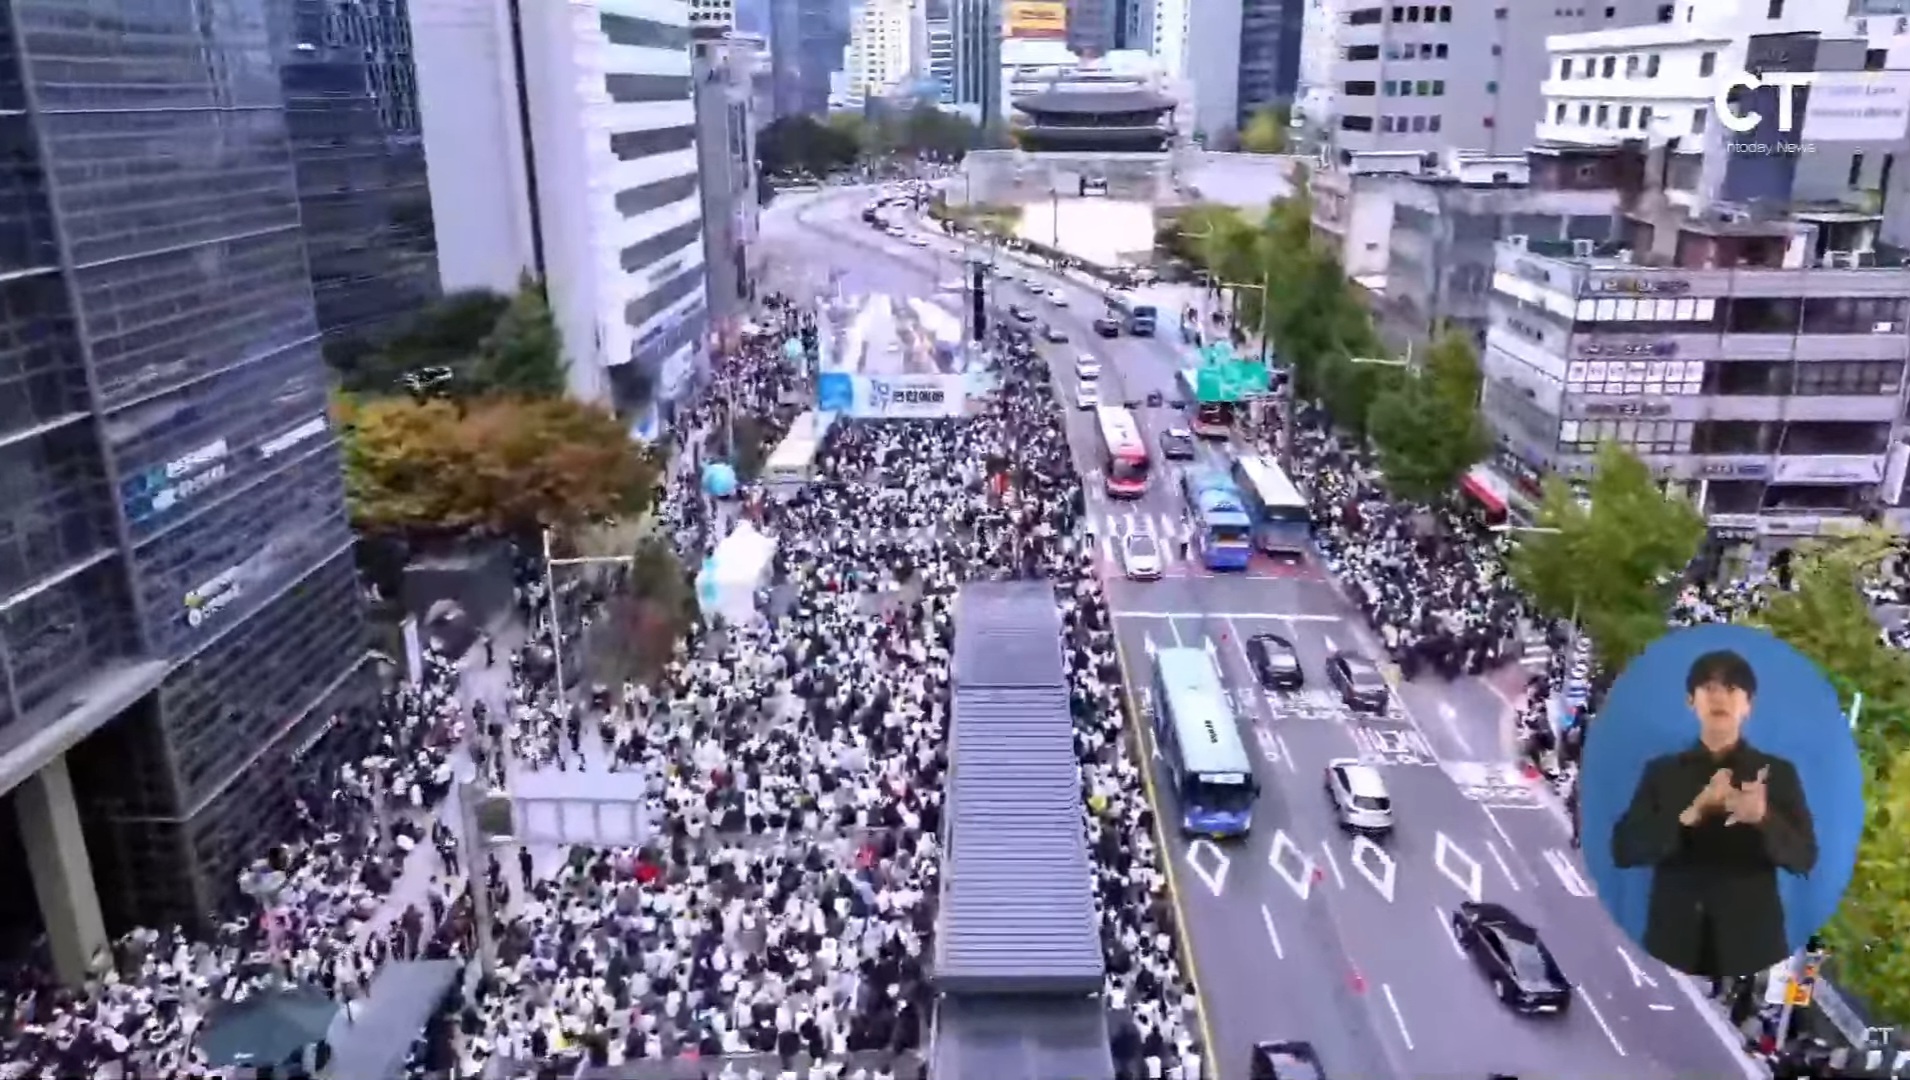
[[1741, 805]]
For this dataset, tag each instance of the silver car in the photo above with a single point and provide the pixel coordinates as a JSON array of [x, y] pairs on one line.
[[1358, 791], [1141, 557]]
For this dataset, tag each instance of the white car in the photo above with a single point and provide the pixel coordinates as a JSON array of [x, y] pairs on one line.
[[1141, 557], [1087, 396], [1057, 298], [919, 241], [951, 285], [1087, 368], [1359, 796]]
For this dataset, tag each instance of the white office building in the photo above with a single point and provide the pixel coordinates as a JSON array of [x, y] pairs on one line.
[[880, 56], [615, 134]]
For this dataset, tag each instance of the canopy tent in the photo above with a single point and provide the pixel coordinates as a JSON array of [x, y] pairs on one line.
[[726, 586]]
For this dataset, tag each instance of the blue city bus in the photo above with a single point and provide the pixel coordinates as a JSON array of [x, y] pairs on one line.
[[1282, 517], [1141, 319], [1222, 528], [1199, 740]]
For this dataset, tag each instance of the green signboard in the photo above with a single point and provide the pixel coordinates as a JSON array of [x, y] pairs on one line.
[[1232, 380]]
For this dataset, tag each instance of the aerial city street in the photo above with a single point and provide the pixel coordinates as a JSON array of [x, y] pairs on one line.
[[955, 540]]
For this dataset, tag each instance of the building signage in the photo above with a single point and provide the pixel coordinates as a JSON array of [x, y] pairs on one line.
[[1637, 286], [1828, 469], [206, 600], [899, 397], [279, 444], [1635, 350], [1795, 525], [163, 487], [1626, 408], [1733, 526], [1734, 470], [1035, 19]]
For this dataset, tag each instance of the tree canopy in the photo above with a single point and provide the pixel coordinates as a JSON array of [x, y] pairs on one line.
[[1826, 616], [1427, 425], [802, 144], [468, 344], [1612, 560], [505, 465], [1266, 131], [522, 354]]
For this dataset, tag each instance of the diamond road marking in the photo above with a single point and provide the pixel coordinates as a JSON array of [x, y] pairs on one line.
[[1292, 864], [1375, 865], [1467, 874], [1202, 852]]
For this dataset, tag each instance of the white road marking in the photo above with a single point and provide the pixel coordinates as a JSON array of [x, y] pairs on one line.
[[1467, 875], [1398, 1018], [1175, 630], [1285, 754], [1445, 931], [1655, 1007], [1171, 615], [1148, 640], [1215, 877], [1107, 547], [1283, 845], [1450, 717], [1493, 850], [1333, 864], [1273, 748], [1375, 865], [1600, 1017], [1266, 917], [1639, 979], [1575, 883]]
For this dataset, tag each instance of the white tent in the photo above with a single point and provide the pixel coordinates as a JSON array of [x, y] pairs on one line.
[[727, 584]]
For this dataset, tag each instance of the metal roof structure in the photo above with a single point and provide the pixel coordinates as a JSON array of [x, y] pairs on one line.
[[1085, 102], [1017, 903], [1018, 1039]]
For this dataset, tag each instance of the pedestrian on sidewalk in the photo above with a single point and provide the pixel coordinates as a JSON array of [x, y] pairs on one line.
[[525, 864], [490, 652]]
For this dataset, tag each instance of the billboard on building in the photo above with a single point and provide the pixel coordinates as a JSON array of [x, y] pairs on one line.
[[894, 397], [1857, 106], [1035, 19]]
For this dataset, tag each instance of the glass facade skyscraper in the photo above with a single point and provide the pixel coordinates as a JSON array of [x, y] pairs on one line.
[[351, 106], [175, 561]]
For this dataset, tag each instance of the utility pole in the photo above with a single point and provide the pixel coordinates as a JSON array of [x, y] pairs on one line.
[[473, 850]]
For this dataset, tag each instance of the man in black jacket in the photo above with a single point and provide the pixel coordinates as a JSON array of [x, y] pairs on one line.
[[1717, 821]]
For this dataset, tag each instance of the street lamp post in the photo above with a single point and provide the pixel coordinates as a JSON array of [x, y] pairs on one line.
[[550, 591], [1285, 399]]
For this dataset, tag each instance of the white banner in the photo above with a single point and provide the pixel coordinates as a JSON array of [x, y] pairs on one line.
[[893, 397]]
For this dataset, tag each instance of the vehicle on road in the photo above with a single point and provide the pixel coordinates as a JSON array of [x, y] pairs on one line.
[[1222, 528], [1107, 326], [1123, 451], [1087, 366], [1282, 517], [1154, 399], [1359, 796], [1510, 953], [1199, 740], [1276, 663], [951, 285], [1021, 314], [1141, 557], [896, 230], [1289, 1060], [1358, 680], [1057, 298], [1054, 333], [919, 241], [1141, 319], [1087, 396], [1177, 444], [1212, 419]]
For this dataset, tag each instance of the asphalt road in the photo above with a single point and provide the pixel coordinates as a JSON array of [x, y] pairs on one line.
[[1299, 931]]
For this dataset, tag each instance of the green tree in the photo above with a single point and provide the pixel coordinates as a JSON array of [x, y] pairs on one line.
[[523, 353], [1266, 131], [1826, 617], [445, 334], [802, 144], [1612, 561], [1427, 425]]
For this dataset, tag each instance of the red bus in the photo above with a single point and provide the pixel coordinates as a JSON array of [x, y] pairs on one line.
[[1125, 452]]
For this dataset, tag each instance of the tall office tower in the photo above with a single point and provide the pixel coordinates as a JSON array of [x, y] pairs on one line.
[[1091, 26], [1425, 77], [879, 58], [977, 25], [1134, 25], [181, 622], [614, 132], [939, 35], [1270, 33], [754, 17], [351, 105]]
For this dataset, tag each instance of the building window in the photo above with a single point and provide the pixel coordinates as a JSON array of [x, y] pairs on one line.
[[1604, 115], [1631, 67], [1651, 378], [1856, 170], [1558, 113], [1565, 68], [1651, 66], [625, 87], [1445, 13], [1356, 123], [1419, 124], [625, 30], [1432, 123], [1584, 115], [641, 200], [1707, 64], [1875, 59], [1774, 10], [1624, 117], [1439, 51], [1698, 119], [1492, 86], [632, 145], [1644, 116], [1607, 67], [1438, 87]]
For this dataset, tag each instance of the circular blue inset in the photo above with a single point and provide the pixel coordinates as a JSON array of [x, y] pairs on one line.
[[1700, 896]]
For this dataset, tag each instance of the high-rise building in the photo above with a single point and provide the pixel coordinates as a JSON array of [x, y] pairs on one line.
[[1270, 33], [1425, 77], [806, 41], [614, 134], [977, 26], [879, 58], [1092, 26], [712, 18], [182, 622], [939, 35], [726, 173], [351, 104], [1197, 44], [1135, 25]]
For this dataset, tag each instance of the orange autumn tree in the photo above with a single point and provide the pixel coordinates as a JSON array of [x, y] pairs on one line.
[[502, 465]]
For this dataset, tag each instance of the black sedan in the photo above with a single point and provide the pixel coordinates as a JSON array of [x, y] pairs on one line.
[[1358, 681], [1293, 1059], [1275, 662], [1107, 326], [1523, 972]]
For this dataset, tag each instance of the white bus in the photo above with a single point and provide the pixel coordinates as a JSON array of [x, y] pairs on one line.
[[1282, 516], [793, 463]]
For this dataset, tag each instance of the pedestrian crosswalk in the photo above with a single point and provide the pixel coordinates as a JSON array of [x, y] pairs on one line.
[[1111, 527]]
